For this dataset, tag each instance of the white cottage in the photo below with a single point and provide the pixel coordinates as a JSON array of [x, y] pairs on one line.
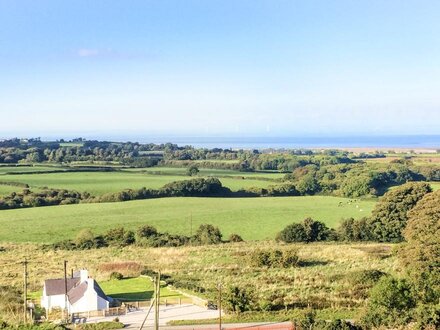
[[83, 294]]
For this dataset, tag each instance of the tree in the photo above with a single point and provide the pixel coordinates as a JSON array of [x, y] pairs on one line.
[[421, 255], [192, 170], [389, 217]]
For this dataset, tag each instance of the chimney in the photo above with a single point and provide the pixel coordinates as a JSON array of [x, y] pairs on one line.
[[84, 275]]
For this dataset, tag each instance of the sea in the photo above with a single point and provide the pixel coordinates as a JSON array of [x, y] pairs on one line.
[[296, 142]]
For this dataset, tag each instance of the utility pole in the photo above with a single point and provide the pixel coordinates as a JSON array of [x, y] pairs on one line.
[[191, 222], [156, 319], [220, 306], [25, 281], [65, 290]]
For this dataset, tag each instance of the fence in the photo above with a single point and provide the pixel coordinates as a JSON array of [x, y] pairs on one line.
[[130, 306]]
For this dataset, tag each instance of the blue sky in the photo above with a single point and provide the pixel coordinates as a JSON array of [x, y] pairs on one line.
[[207, 68]]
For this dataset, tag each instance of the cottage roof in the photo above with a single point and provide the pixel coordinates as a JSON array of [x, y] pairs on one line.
[[57, 286]]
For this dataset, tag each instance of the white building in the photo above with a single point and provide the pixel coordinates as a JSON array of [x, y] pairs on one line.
[[83, 294]]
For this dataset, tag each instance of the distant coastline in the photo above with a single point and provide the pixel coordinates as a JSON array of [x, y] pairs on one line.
[[403, 143], [428, 143]]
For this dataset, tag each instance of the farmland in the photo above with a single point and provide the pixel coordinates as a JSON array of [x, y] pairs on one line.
[[326, 277], [98, 183], [253, 218]]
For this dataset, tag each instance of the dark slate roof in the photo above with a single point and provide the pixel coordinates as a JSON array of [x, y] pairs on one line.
[[99, 291], [57, 286], [77, 292]]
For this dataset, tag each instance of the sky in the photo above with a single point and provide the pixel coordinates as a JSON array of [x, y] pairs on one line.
[[219, 68]]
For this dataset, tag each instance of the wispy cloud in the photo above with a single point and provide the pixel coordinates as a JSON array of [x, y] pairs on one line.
[[108, 53], [88, 52]]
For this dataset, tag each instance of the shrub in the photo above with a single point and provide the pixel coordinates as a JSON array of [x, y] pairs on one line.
[[208, 234], [85, 240], [192, 170], [354, 230], [427, 317], [307, 231], [238, 300], [119, 237], [116, 276], [293, 233], [102, 326], [389, 304], [146, 232], [275, 258], [235, 238]]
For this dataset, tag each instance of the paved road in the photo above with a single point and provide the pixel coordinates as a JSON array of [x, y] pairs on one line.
[[235, 326], [133, 320]]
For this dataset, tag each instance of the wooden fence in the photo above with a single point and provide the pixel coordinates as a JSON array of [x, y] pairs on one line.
[[130, 306]]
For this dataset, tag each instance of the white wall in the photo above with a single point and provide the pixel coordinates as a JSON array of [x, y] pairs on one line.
[[90, 301], [50, 302]]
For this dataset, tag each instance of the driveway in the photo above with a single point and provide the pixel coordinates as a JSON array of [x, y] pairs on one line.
[[133, 320]]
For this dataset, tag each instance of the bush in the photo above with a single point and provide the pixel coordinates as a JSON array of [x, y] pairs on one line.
[[307, 231], [235, 238], [102, 326], [275, 258], [428, 317], [85, 240], [146, 232], [238, 300], [354, 230], [192, 170], [390, 303], [208, 234], [116, 276], [119, 237], [293, 233]]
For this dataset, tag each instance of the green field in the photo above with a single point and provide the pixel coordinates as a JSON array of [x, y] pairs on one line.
[[134, 289], [98, 183], [6, 190], [25, 169], [211, 172], [253, 218], [435, 185]]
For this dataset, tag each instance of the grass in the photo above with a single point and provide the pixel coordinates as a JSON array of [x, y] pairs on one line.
[[135, 289], [212, 172], [435, 185], [98, 183], [25, 169], [252, 218], [6, 190], [324, 279]]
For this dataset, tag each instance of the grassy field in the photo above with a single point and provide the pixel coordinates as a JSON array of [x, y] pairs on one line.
[[26, 169], [98, 183], [135, 289], [211, 172], [326, 276], [253, 218], [6, 190]]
